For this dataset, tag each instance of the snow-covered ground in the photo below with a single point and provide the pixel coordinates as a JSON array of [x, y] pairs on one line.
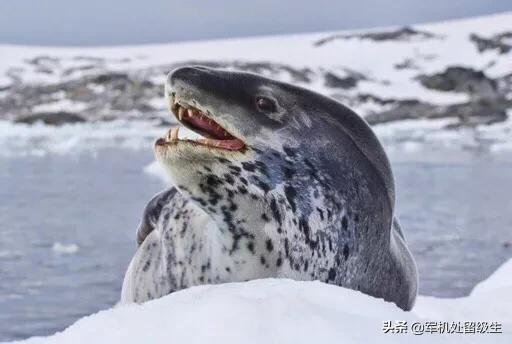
[[372, 74], [448, 45], [285, 311]]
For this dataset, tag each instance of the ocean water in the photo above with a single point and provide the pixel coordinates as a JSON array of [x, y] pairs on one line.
[[67, 228]]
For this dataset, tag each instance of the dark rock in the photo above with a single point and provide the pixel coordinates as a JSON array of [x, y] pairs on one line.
[[472, 114], [334, 81], [403, 34], [110, 78], [497, 42], [406, 64], [469, 114], [42, 60], [51, 118], [367, 97], [462, 79], [401, 110], [143, 107], [505, 84]]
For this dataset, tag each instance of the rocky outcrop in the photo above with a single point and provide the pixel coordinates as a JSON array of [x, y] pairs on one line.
[[501, 42], [99, 95], [467, 114], [462, 79], [348, 81], [96, 94], [103, 95], [402, 34], [489, 99]]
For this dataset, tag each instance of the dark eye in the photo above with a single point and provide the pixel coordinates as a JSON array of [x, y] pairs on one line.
[[265, 104]]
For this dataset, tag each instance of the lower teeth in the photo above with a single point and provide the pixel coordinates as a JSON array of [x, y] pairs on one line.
[[174, 133]]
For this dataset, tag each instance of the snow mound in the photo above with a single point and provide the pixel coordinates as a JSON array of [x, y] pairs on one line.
[[285, 311], [501, 279]]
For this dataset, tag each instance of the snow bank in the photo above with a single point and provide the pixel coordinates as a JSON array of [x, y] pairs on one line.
[[285, 311], [299, 50]]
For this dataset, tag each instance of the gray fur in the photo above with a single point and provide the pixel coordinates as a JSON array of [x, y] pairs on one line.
[[312, 197]]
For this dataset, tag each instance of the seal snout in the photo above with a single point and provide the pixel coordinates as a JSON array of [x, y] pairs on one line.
[[188, 75]]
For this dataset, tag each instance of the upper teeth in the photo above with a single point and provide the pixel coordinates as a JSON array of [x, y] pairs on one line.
[[181, 111]]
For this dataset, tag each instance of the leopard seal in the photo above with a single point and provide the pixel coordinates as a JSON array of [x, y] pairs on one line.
[[284, 182]]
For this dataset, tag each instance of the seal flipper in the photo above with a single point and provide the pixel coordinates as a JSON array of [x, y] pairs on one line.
[[152, 212]]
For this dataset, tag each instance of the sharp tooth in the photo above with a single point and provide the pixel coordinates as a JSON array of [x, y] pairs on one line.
[[180, 112], [190, 112], [174, 133]]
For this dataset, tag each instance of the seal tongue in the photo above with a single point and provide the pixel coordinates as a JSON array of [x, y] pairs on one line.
[[196, 120], [207, 125]]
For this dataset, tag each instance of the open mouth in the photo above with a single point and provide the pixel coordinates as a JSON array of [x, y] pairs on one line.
[[213, 135]]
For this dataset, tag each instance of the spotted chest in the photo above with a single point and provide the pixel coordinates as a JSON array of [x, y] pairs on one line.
[[271, 216], [274, 212]]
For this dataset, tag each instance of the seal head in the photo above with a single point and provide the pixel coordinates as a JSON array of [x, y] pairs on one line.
[[284, 182]]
